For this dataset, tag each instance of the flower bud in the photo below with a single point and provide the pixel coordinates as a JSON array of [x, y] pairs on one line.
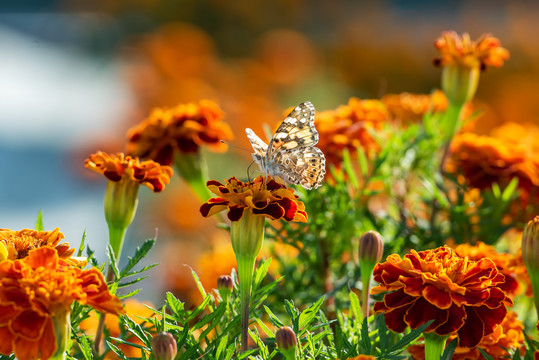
[[164, 346], [225, 285], [286, 341], [371, 247], [530, 256]]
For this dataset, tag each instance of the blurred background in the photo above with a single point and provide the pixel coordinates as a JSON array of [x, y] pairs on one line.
[[76, 75]]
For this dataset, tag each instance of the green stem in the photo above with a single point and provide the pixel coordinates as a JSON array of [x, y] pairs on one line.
[[246, 267], [434, 345], [193, 169], [116, 241], [366, 273], [62, 330], [534, 280], [451, 124]]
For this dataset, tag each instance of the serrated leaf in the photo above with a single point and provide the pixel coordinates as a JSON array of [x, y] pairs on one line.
[[130, 294], [124, 284], [261, 272], [199, 308], [113, 262], [309, 314], [355, 306], [175, 305], [347, 163], [82, 241], [273, 318], [117, 351], [140, 253]]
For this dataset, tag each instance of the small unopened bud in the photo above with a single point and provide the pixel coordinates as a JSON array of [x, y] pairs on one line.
[[530, 256], [286, 341], [225, 285], [164, 346], [371, 247]]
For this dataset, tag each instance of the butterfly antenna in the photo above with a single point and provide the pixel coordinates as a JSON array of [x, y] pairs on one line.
[[235, 146], [249, 175]]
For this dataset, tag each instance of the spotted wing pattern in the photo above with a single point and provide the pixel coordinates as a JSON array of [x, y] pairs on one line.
[[291, 153]]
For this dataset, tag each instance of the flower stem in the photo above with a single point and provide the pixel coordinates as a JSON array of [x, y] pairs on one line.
[[451, 125], [366, 273], [434, 345], [62, 330], [116, 241], [534, 281], [193, 169], [246, 267]]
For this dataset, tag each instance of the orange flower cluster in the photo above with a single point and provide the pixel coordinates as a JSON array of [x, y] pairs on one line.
[[460, 295], [34, 289], [507, 335], [362, 357], [19, 243], [407, 108], [135, 310], [505, 263], [461, 50], [262, 196], [182, 128], [350, 126], [119, 166], [485, 160]]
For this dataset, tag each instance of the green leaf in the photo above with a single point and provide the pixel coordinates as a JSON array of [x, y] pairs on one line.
[[117, 351], [408, 338], [485, 355], [309, 314], [362, 160], [175, 305], [260, 273], [113, 262], [450, 349], [509, 189], [347, 163], [355, 305], [199, 308], [81, 247], [365, 341], [84, 347], [39, 221], [274, 319], [221, 347], [140, 253]]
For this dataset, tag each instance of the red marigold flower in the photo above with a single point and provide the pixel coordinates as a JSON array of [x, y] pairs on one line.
[[507, 336], [119, 166], [504, 263], [460, 295], [34, 290], [182, 128], [262, 196], [19, 243], [461, 50]]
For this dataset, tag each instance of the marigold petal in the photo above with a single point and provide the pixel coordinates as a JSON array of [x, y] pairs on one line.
[[473, 330], [437, 297], [395, 318], [457, 316], [26, 349], [47, 258], [6, 340], [28, 324], [273, 211], [422, 311], [235, 213], [213, 206], [397, 299], [7, 313], [47, 344]]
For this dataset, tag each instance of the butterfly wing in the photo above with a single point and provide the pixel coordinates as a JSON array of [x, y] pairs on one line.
[[296, 131], [259, 146], [304, 166]]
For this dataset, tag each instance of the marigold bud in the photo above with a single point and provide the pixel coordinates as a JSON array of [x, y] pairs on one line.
[[225, 285], [371, 247], [530, 255], [164, 346], [286, 341]]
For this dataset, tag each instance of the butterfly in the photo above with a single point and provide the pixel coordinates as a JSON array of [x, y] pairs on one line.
[[291, 153]]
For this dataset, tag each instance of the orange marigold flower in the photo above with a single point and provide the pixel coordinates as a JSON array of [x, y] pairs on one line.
[[34, 290], [119, 166], [262, 196], [504, 263], [362, 357], [460, 295], [19, 243], [484, 160], [350, 126], [507, 335], [410, 108], [182, 128], [461, 50]]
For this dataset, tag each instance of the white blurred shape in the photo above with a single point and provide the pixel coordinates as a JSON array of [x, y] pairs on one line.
[[54, 96]]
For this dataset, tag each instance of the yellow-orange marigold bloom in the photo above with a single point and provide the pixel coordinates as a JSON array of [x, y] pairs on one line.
[[182, 128], [262, 196], [362, 357], [461, 50], [507, 335], [350, 126], [19, 242], [460, 295], [410, 108], [504, 263], [119, 166], [36, 288]]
